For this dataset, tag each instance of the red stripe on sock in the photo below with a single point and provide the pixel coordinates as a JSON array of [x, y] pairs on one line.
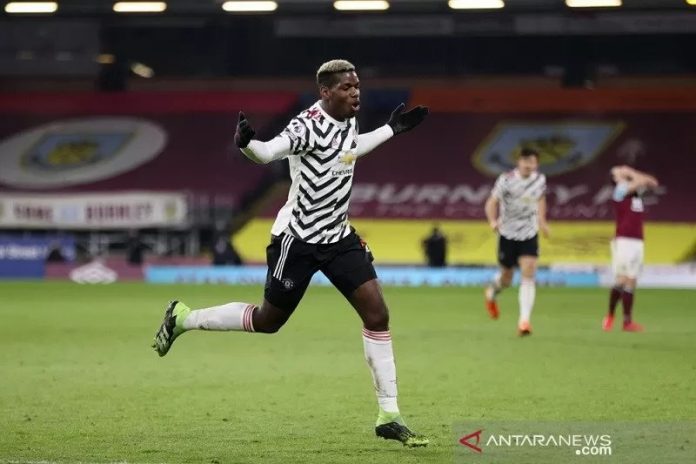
[[372, 332], [376, 334], [247, 318], [379, 336], [383, 337]]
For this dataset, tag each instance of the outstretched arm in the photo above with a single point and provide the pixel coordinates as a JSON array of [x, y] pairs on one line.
[[629, 180], [264, 152], [257, 151], [398, 123], [371, 140]]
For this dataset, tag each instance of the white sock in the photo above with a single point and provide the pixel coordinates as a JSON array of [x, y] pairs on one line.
[[495, 286], [526, 298], [230, 316], [380, 358]]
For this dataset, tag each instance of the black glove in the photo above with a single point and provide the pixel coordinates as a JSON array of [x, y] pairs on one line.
[[244, 132], [402, 122]]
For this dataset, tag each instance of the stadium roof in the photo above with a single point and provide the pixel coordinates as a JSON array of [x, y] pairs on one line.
[[206, 7]]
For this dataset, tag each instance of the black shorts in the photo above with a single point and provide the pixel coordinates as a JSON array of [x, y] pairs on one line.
[[509, 251], [292, 263]]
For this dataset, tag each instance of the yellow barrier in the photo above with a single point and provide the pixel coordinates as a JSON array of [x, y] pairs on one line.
[[472, 242]]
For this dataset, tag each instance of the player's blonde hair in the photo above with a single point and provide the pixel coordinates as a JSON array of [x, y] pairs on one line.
[[327, 71]]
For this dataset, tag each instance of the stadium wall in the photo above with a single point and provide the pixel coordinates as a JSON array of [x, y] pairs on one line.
[[472, 242], [439, 173]]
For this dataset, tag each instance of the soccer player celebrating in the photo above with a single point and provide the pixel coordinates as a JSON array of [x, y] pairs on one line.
[[520, 196], [312, 233], [627, 246]]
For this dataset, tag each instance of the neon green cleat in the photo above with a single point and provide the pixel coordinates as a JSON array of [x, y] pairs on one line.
[[391, 426], [172, 326]]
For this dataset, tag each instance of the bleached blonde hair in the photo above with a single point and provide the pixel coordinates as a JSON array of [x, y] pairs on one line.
[[327, 72]]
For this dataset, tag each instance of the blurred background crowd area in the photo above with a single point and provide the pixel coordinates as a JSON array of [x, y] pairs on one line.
[[116, 127]]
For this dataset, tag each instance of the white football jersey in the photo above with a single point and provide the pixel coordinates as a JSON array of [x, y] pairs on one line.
[[322, 158], [519, 204]]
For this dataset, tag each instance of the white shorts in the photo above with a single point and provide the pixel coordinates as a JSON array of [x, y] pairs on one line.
[[627, 256]]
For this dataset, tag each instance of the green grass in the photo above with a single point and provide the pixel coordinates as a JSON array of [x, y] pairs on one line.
[[79, 382]]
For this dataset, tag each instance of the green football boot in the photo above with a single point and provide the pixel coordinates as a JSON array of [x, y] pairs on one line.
[[391, 426], [172, 326]]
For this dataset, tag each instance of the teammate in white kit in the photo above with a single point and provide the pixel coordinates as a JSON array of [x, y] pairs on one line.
[[516, 210], [312, 233]]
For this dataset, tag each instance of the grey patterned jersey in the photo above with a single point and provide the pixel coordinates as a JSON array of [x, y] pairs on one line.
[[519, 204]]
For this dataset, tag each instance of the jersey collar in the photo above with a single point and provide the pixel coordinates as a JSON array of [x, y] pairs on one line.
[[517, 175], [340, 124]]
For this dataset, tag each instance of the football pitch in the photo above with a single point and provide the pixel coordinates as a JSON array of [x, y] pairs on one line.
[[80, 383]]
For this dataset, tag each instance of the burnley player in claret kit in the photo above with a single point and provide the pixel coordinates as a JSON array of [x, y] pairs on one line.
[[627, 246], [312, 233]]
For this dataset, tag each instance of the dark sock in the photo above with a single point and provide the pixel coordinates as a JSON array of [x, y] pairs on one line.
[[627, 300], [614, 297]]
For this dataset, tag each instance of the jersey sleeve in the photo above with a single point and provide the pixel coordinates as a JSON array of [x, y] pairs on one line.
[[499, 187], [298, 131], [371, 140], [265, 152]]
